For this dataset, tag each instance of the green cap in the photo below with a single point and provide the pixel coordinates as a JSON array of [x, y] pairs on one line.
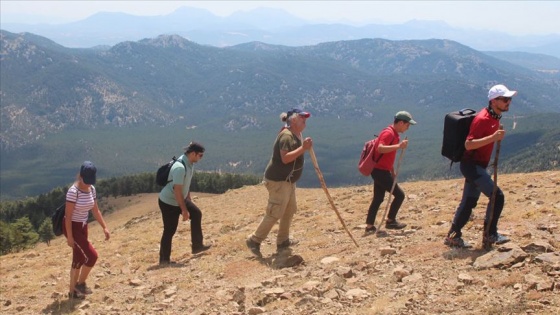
[[402, 115]]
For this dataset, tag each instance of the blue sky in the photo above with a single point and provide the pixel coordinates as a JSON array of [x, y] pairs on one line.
[[512, 17]]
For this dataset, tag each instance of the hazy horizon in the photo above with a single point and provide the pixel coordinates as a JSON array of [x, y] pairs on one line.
[[509, 17]]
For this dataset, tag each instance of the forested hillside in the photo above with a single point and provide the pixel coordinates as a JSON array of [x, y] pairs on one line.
[[143, 101], [25, 222]]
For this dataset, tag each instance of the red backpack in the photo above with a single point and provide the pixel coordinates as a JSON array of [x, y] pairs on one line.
[[367, 159]]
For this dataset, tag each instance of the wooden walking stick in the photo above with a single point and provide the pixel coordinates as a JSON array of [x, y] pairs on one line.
[[486, 237], [392, 189], [324, 185]]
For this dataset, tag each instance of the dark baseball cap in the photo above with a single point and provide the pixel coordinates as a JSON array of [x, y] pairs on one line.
[[300, 112], [88, 172]]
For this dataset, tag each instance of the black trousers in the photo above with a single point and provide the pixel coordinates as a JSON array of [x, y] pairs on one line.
[[383, 182], [170, 216]]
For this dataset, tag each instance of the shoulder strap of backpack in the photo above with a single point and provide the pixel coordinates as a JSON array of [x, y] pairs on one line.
[[184, 165], [77, 192], [77, 196], [175, 160], [380, 155]]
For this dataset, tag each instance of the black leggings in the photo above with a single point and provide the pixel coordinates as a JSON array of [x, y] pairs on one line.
[[170, 215], [382, 182]]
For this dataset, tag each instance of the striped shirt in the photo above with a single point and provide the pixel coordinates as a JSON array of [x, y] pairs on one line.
[[84, 201]]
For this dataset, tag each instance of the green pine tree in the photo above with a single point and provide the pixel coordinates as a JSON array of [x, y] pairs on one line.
[[6, 238], [24, 234], [46, 231]]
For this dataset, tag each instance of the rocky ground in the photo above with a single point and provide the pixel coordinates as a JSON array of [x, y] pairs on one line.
[[403, 272]]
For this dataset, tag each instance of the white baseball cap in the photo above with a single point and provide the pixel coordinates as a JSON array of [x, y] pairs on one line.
[[500, 90]]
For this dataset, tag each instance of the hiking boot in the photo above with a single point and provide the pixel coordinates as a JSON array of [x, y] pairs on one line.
[[200, 249], [76, 295], [394, 225], [496, 239], [83, 288], [166, 262], [287, 243], [254, 247], [501, 239], [456, 242], [370, 230]]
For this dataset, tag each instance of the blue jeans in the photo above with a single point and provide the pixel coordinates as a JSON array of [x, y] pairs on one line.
[[477, 181]]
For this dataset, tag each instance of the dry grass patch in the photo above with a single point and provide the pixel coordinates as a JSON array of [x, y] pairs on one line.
[[35, 281]]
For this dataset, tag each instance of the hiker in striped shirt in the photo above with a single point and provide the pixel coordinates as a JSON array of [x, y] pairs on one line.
[[80, 199]]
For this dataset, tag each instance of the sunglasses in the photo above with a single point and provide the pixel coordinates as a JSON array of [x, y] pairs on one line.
[[504, 99]]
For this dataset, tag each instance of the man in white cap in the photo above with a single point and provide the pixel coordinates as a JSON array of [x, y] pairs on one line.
[[483, 133]]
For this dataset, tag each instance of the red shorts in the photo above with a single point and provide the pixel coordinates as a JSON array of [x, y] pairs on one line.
[[83, 251]]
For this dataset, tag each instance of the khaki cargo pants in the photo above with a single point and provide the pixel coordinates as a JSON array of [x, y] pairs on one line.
[[281, 206]]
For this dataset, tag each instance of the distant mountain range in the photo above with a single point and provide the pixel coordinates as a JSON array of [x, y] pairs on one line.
[[141, 101], [271, 26]]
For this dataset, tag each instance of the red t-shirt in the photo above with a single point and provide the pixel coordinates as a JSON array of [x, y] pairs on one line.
[[482, 126], [388, 136]]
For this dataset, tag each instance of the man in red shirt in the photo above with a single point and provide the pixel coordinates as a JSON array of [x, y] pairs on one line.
[[483, 133], [384, 173]]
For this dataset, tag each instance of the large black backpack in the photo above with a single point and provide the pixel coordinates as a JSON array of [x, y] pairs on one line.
[[455, 131], [162, 175]]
